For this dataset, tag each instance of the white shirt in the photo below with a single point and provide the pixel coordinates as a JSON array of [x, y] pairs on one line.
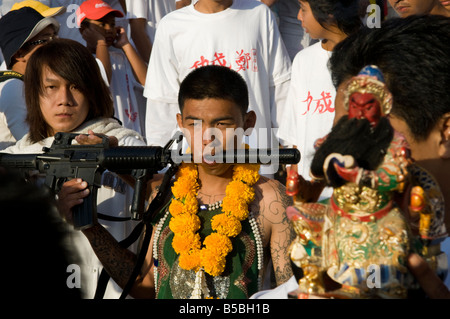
[[244, 37], [129, 103], [309, 109], [280, 292]]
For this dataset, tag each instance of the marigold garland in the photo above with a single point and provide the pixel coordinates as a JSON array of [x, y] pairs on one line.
[[211, 256]]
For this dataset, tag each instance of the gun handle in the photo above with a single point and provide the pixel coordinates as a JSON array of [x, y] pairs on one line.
[[140, 189], [85, 214]]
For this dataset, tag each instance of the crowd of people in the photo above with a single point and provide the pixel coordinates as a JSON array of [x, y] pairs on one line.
[[137, 72]]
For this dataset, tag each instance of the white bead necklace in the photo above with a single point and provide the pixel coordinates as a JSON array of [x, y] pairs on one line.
[[212, 206], [155, 245], [259, 246]]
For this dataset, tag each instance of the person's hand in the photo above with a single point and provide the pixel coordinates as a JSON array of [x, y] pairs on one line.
[[71, 194], [94, 138], [122, 38], [92, 35], [427, 278], [301, 189]]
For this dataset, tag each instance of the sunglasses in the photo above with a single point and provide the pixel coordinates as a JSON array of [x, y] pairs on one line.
[[41, 41]]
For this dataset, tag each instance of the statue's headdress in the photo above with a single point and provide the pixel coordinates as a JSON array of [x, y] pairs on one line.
[[370, 80]]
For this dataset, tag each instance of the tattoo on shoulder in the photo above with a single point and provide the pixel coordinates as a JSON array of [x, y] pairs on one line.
[[273, 201], [275, 196], [285, 199]]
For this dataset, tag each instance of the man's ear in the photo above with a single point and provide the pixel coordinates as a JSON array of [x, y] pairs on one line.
[[180, 120], [444, 147], [249, 120]]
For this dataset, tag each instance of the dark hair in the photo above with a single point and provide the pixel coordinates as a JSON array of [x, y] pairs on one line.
[[217, 82], [74, 63], [414, 55], [345, 14]]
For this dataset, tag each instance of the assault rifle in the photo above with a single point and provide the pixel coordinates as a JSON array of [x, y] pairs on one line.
[[64, 161]]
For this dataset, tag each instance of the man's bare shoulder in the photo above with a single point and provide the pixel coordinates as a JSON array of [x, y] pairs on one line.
[[271, 196], [271, 188]]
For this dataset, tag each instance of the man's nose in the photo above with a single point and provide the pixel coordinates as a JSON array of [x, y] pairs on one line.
[[66, 96]]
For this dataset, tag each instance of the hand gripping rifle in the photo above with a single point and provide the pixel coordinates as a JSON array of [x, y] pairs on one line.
[[64, 161]]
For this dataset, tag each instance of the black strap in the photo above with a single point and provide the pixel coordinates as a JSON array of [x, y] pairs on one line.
[[104, 276], [6, 75], [162, 197]]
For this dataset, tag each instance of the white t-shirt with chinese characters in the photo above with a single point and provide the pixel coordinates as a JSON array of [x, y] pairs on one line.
[[13, 112], [244, 37], [151, 10], [127, 92], [309, 109]]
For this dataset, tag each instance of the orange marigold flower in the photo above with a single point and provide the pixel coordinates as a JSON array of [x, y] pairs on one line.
[[185, 242], [190, 260], [248, 173], [212, 263], [235, 208], [184, 223], [218, 243], [188, 170], [186, 182], [176, 207], [191, 204], [182, 188], [237, 190], [226, 225]]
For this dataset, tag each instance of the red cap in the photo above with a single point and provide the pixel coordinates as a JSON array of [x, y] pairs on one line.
[[95, 10]]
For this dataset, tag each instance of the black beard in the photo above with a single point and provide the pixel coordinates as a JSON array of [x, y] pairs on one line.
[[357, 138]]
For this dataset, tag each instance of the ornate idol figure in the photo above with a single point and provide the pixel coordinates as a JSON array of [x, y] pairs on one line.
[[355, 244]]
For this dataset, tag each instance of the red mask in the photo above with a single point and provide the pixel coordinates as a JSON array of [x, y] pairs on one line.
[[364, 105]]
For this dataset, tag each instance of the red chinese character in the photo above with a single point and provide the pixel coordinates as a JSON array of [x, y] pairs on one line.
[[219, 60], [326, 105], [255, 61], [309, 99], [242, 60], [200, 63]]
